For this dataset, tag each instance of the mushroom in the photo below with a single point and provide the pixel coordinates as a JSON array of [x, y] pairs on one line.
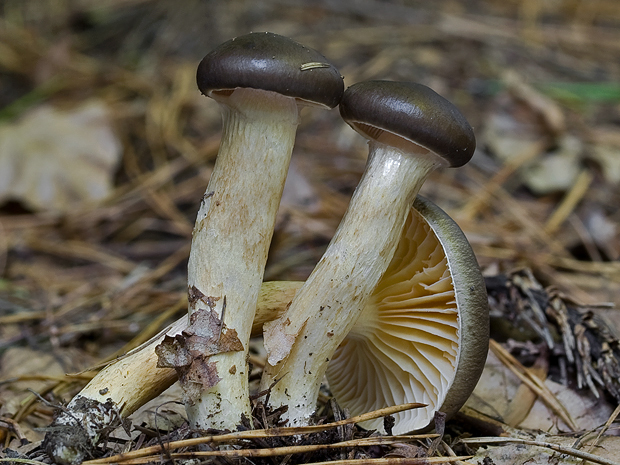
[[260, 80], [131, 381], [424, 334], [412, 131], [432, 260]]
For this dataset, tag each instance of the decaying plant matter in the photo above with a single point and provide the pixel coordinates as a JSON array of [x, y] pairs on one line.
[[587, 344]]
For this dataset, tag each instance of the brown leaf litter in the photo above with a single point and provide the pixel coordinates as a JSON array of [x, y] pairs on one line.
[[87, 283]]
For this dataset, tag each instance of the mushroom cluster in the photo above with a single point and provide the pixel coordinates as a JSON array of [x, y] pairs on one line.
[[395, 311]]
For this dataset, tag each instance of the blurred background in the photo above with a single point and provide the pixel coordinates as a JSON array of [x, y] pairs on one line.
[[106, 148]]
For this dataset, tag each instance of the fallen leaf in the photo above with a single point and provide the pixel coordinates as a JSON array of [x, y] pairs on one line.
[[556, 171], [507, 136], [56, 160], [498, 386], [509, 454], [608, 156], [407, 451]]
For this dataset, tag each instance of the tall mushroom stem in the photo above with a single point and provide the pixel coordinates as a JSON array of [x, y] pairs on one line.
[[131, 381], [259, 79], [230, 244], [328, 304]]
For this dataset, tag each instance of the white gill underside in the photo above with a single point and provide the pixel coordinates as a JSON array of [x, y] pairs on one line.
[[416, 345]]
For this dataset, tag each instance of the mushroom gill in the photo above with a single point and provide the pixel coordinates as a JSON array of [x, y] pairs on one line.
[[405, 346]]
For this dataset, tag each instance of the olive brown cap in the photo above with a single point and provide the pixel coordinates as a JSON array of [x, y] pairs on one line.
[[267, 61], [413, 112]]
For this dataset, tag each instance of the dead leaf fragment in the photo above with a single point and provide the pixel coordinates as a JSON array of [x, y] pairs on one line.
[[556, 170], [513, 128], [608, 156], [403, 450], [56, 160], [498, 386], [190, 351], [204, 337]]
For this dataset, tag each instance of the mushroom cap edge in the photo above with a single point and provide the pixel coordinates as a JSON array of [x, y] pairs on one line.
[[472, 303], [268, 61], [412, 111]]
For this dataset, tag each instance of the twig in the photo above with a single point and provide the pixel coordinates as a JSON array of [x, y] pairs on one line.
[[12, 425], [31, 462], [395, 461], [278, 451]]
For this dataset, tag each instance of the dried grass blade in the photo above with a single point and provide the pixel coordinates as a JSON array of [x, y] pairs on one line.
[[569, 202]]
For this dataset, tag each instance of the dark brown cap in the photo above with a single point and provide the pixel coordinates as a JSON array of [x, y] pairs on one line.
[[411, 111], [267, 61]]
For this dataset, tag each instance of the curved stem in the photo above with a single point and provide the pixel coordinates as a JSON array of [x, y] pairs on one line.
[[301, 342]]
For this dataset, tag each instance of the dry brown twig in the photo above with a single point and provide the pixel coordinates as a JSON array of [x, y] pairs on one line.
[[278, 451]]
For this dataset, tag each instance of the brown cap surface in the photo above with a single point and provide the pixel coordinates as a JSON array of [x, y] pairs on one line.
[[413, 112], [267, 61]]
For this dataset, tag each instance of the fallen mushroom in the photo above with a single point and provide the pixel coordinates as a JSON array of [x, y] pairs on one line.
[[424, 334], [260, 80], [412, 131]]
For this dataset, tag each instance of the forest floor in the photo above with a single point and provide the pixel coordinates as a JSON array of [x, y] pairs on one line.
[[106, 147]]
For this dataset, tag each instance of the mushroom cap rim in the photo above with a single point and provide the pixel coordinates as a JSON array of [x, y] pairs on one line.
[[410, 111], [271, 62]]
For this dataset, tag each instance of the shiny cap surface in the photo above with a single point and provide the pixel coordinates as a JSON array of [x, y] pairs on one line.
[[411, 111], [267, 61]]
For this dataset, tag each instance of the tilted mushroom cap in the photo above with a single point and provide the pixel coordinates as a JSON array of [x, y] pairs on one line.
[[267, 61], [424, 336], [413, 112]]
